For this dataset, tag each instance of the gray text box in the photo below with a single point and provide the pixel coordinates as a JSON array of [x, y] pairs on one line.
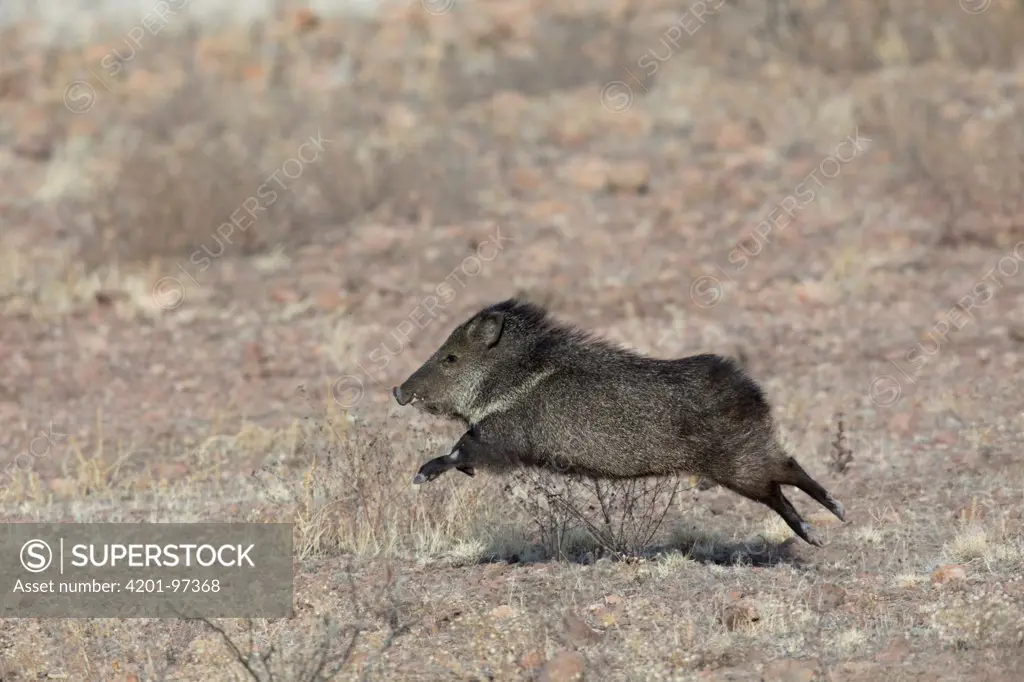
[[146, 570]]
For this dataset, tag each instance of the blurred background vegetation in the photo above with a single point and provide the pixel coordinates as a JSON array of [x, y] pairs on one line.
[[139, 127]]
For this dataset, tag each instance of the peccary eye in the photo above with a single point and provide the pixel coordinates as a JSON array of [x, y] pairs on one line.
[[450, 359]]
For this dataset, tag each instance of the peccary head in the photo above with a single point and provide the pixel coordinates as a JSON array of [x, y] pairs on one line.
[[482, 358]]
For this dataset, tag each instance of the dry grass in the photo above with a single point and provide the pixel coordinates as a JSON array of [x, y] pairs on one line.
[[354, 497]]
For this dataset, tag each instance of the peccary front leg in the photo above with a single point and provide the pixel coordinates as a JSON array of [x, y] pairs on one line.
[[460, 458]]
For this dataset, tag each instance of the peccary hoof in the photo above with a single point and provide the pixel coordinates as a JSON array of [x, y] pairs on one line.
[[469, 471], [418, 479]]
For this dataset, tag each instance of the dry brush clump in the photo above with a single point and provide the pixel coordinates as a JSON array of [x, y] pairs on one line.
[[574, 515], [967, 155], [319, 648], [348, 490], [848, 36], [195, 160], [210, 171]]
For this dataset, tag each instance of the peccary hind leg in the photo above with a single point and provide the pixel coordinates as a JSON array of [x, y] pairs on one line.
[[778, 502], [791, 473], [796, 476]]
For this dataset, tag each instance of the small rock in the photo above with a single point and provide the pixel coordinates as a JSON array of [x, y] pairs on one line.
[[578, 631], [284, 295], [305, 20], [328, 299], [946, 573], [566, 666], [525, 179], [572, 132], [548, 211], [732, 136], [108, 297], [531, 660], [510, 106], [790, 670], [823, 518], [401, 118], [502, 612], [631, 123], [629, 176], [588, 173], [740, 614]]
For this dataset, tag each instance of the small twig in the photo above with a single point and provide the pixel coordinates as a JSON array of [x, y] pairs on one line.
[[841, 454], [243, 659]]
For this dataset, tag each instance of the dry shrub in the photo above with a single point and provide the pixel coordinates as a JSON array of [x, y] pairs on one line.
[[840, 36], [317, 649], [171, 197], [575, 513], [562, 54], [192, 161], [968, 155], [320, 656], [195, 149], [353, 495]]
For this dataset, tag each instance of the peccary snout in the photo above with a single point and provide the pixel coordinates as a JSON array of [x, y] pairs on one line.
[[409, 392]]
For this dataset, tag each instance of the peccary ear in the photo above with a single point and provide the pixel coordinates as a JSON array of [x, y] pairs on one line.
[[487, 329]]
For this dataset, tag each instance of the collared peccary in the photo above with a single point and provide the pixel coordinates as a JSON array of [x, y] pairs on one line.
[[534, 392]]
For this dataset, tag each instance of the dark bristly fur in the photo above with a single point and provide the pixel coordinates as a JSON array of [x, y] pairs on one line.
[[534, 392]]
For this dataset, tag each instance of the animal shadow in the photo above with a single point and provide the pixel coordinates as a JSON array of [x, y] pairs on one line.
[[756, 551], [704, 548]]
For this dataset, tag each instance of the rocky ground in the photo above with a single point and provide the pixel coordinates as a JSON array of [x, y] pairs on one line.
[[830, 190]]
